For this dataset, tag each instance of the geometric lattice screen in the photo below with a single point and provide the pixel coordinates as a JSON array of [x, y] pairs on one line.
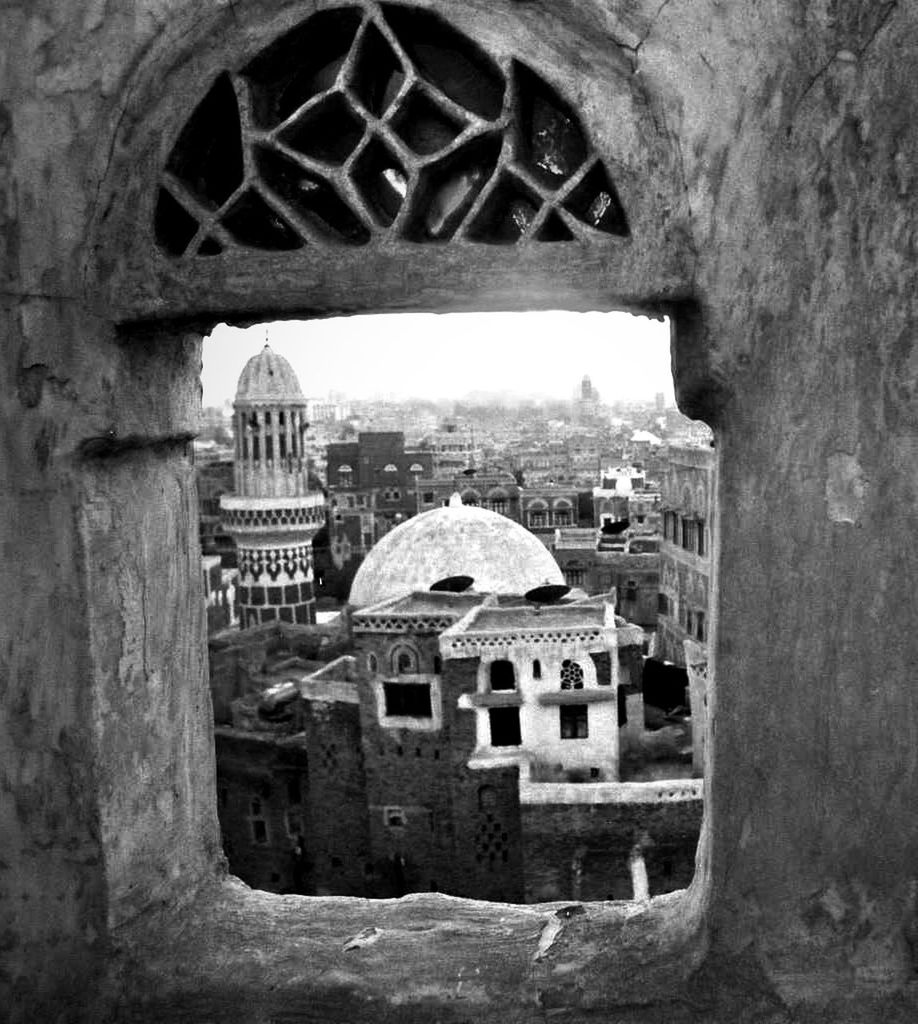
[[380, 120]]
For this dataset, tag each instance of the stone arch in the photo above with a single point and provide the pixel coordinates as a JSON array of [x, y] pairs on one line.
[[643, 267]]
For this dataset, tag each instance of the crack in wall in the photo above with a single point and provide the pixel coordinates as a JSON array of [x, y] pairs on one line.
[[839, 54]]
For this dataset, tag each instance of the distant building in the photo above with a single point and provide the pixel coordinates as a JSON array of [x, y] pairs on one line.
[[215, 476], [599, 563], [496, 490], [373, 485], [272, 514], [454, 449], [586, 407], [545, 507], [622, 497], [687, 492]]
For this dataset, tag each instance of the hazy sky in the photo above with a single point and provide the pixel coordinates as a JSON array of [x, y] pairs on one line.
[[431, 355]]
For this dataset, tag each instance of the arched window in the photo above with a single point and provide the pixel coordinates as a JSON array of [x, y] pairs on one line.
[[537, 669], [537, 514], [502, 675], [571, 675], [404, 661], [372, 663], [345, 475]]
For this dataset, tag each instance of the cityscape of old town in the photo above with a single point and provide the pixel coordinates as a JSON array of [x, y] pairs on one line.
[[456, 644]]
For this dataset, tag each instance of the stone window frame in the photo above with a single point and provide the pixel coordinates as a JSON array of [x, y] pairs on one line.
[[652, 274], [418, 723]]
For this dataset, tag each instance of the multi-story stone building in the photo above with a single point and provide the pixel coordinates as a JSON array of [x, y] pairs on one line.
[[454, 449], [687, 491], [545, 507], [272, 514], [622, 495], [495, 489], [373, 485], [599, 563]]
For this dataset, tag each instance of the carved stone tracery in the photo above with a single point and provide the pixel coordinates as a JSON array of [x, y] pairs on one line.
[[380, 119]]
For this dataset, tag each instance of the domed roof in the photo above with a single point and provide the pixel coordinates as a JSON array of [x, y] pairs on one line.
[[499, 554], [268, 377]]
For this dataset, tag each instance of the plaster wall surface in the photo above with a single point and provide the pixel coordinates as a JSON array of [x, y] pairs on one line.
[[769, 158]]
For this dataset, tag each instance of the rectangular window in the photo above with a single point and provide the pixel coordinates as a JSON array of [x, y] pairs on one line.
[[574, 721], [699, 626], [662, 604], [687, 534], [294, 824], [699, 536], [407, 700], [294, 791], [259, 830], [505, 727]]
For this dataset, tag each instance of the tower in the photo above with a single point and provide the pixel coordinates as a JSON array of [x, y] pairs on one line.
[[272, 516]]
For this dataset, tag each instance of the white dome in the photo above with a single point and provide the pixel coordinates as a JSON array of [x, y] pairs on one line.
[[460, 540], [268, 378]]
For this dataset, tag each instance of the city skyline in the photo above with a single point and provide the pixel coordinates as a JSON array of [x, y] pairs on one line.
[[404, 356]]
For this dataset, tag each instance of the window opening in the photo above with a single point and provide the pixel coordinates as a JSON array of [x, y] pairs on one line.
[[537, 669], [574, 721], [502, 675], [407, 700], [505, 727]]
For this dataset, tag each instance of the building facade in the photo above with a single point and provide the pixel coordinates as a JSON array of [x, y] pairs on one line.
[[373, 485], [687, 491]]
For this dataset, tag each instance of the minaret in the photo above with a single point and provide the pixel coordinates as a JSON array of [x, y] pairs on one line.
[[272, 516]]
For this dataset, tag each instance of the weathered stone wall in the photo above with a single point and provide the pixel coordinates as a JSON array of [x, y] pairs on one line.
[[582, 851], [768, 156]]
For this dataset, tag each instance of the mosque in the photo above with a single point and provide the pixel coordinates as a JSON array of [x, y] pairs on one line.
[[468, 737]]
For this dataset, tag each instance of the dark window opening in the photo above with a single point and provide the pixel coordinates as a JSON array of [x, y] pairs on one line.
[[294, 790], [574, 722], [505, 727], [537, 669], [408, 699], [259, 830], [502, 675]]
